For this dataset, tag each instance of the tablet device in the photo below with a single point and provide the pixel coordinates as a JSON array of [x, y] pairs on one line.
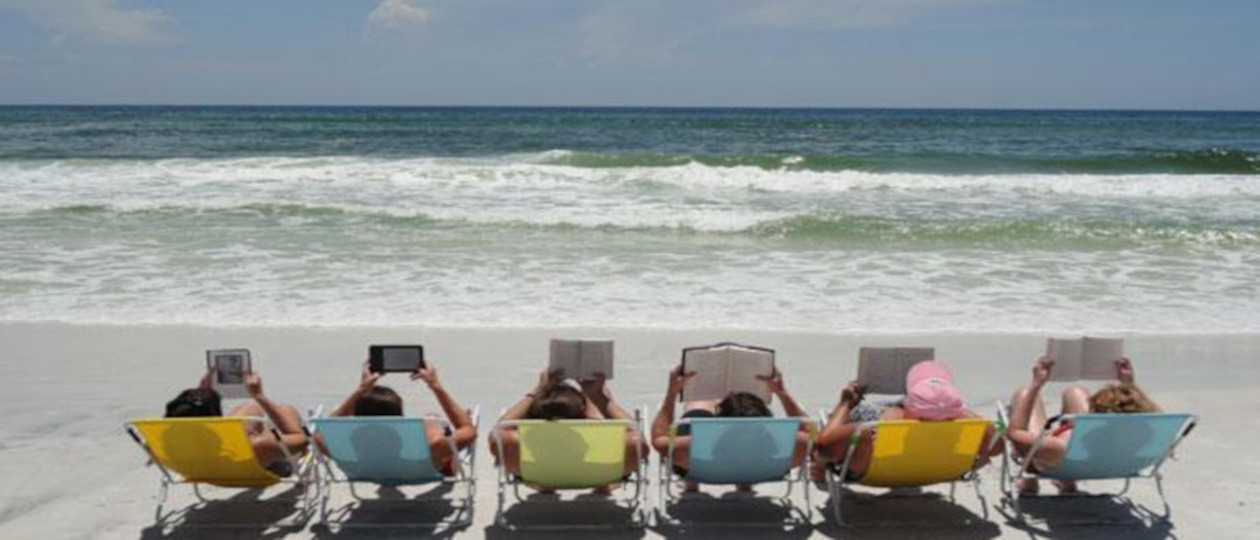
[[230, 367], [395, 358]]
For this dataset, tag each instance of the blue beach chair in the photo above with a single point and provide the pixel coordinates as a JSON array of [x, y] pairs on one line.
[[390, 451], [739, 451], [1104, 446]]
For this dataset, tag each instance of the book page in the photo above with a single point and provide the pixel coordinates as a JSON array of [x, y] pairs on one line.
[[883, 369], [595, 357], [1066, 355], [744, 366], [1098, 358], [565, 357], [709, 365]]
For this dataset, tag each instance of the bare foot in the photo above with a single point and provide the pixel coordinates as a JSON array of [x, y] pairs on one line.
[[1027, 486], [1066, 487]]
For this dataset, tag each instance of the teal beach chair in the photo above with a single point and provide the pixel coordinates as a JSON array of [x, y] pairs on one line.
[[390, 451], [738, 451], [1104, 446]]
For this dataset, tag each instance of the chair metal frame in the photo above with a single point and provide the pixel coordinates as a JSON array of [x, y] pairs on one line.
[[1016, 468], [836, 480], [465, 477], [305, 476], [637, 501], [667, 497]]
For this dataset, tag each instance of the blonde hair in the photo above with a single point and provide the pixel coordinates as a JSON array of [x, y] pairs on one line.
[[1121, 398]]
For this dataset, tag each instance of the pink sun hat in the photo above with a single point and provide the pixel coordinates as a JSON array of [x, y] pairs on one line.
[[930, 393]]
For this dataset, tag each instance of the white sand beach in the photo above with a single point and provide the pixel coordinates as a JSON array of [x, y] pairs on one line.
[[70, 471]]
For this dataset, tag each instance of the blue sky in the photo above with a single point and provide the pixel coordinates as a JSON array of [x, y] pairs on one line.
[[1160, 54]]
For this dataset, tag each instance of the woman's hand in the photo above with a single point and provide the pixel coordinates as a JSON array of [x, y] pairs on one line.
[[429, 375], [1124, 370], [545, 380], [853, 393], [1041, 371], [677, 380], [595, 388], [368, 378], [207, 380], [253, 385], [774, 381]]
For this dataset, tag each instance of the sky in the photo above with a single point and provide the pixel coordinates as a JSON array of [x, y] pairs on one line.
[[1093, 54]]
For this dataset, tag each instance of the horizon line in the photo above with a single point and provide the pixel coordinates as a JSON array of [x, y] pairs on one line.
[[629, 107]]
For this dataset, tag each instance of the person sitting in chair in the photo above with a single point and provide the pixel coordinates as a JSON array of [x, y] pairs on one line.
[[565, 399], [734, 405], [930, 396], [271, 451], [1028, 416], [371, 399]]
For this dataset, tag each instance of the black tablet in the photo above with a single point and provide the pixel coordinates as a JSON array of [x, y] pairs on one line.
[[395, 358]]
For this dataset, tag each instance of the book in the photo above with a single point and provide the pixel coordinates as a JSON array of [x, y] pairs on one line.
[[725, 368], [1086, 358], [581, 359], [883, 369]]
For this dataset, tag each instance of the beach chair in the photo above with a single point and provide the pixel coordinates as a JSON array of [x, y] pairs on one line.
[[915, 453], [390, 451], [738, 451], [1103, 447], [572, 454], [216, 451]]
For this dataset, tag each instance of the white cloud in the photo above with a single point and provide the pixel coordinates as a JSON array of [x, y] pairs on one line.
[[93, 20], [397, 14]]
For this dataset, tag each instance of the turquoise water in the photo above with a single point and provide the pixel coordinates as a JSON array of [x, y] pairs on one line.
[[847, 220]]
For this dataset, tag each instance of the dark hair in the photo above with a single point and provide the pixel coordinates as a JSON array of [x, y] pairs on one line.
[[558, 402], [195, 402], [378, 401], [742, 404]]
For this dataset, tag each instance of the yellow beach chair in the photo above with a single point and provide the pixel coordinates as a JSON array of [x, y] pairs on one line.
[[571, 454], [216, 451], [913, 453]]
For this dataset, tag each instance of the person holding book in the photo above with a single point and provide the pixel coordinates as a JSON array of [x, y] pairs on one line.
[[735, 404], [1028, 415], [269, 449], [554, 398], [372, 399], [930, 396]]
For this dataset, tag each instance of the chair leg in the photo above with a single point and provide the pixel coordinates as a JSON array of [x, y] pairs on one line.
[[1159, 487], [836, 490]]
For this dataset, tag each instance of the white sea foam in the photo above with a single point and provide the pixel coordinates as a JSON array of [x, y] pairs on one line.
[[260, 241]]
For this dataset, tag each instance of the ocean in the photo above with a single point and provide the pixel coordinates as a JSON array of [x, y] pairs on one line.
[[787, 219]]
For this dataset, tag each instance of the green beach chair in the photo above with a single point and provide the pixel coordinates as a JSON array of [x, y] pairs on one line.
[[1104, 447], [568, 455], [390, 451]]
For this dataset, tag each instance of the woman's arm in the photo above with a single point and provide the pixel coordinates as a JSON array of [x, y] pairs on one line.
[[665, 416], [518, 410], [1020, 432], [1124, 373], [838, 428], [464, 432], [367, 379]]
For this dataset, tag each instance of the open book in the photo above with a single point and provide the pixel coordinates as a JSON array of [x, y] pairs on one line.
[[582, 359], [724, 368], [883, 369], [1086, 358]]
